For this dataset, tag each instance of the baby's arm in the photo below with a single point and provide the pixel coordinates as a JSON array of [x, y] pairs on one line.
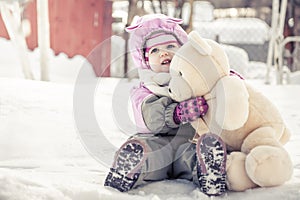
[[156, 114], [153, 114]]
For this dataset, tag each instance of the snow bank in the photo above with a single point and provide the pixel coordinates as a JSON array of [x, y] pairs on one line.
[[44, 157]]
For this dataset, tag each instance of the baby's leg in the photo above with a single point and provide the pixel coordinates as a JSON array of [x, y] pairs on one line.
[[211, 164], [184, 161], [140, 160], [185, 153], [204, 164]]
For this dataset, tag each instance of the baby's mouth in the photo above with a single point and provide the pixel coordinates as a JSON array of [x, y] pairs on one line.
[[166, 62]]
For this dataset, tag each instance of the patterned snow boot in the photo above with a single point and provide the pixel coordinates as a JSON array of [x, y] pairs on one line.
[[211, 164], [126, 168]]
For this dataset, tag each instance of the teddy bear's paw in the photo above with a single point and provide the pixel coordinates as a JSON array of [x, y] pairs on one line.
[[268, 166], [237, 178]]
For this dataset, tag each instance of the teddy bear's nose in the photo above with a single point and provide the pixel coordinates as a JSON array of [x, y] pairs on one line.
[[170, 91]]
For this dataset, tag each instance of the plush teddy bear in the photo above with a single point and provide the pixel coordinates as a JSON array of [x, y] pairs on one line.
[[247, 121]]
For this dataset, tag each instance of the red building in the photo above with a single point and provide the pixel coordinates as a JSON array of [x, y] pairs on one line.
[[76, 28]]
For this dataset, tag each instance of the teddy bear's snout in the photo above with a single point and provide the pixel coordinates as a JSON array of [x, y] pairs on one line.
[[179, 89]]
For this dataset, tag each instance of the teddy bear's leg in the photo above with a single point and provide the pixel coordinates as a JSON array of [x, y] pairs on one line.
[[237, 178], [260, 136], [268, 163], [285, 136], [269, 166]]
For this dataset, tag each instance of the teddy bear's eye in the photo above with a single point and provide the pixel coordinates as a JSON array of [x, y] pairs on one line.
[[180, 73]]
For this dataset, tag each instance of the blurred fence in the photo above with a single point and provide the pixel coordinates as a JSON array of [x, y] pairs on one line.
[[251, 34], [247, 29]]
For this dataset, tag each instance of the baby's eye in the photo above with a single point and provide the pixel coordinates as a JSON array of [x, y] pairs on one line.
[[180, 73], [154, 50], [171, 46]]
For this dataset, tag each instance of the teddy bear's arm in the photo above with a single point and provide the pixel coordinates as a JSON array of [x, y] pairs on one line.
[[200, 126], [232, 103]]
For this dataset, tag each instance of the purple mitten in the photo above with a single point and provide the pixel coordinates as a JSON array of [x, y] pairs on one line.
[[190, 110]]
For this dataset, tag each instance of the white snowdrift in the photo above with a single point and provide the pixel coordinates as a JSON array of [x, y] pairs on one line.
[[42, 156]]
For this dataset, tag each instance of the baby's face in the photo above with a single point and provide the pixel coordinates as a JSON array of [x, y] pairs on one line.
[[160, 56]]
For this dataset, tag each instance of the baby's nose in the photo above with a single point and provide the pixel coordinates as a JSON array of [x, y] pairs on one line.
[[164, 53]]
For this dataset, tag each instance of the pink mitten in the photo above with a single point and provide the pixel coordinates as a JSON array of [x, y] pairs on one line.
[[189, 110]]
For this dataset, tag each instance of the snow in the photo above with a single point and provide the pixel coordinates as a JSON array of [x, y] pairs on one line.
[[44, 152]]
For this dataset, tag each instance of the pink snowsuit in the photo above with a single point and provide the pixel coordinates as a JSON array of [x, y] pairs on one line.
[[161, 149]]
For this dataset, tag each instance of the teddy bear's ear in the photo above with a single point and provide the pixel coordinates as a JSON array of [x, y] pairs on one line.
[[199, 43]]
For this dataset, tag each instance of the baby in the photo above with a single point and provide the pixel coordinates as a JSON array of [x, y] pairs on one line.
[[162, 149]]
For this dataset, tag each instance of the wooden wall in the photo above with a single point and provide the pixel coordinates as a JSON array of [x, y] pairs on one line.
[[76, 27]]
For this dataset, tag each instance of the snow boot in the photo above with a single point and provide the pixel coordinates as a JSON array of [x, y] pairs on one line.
[[211, 164], [126, 168]]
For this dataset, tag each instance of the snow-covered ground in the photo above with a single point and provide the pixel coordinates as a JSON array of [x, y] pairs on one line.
[[46, 155]]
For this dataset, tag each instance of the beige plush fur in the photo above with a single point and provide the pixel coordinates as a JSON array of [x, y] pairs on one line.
[[246, 120]]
